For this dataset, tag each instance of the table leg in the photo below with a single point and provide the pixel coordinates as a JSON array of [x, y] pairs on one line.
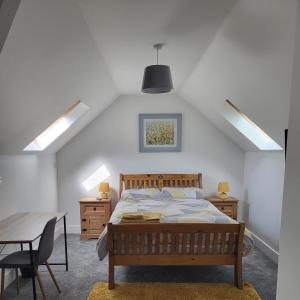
[[32, 266], [66, 244]]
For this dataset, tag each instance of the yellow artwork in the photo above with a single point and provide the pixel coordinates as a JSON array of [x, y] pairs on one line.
[[160, 133]]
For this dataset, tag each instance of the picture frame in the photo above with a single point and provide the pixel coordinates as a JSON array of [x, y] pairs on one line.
[[160, 132]]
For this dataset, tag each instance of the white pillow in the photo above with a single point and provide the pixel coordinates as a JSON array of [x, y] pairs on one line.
[[140, 194], [183, 193]]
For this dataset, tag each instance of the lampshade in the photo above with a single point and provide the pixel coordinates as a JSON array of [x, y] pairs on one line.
[[104, 187], [223, 187], [157, 79]]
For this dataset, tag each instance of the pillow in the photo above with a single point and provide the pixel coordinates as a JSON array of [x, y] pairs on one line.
[[183, 193], [140, 194]]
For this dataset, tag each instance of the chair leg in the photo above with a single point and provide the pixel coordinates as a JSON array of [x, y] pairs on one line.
[[2, 284], [36, 272], [52, 276], [17, 281], [111, 274]]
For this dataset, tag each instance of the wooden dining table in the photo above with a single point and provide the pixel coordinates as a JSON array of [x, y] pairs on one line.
[[25, 228]]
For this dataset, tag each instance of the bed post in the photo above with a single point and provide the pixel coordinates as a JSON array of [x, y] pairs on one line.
[[238, 267], [111, 266], [121, 185], [200, 180]]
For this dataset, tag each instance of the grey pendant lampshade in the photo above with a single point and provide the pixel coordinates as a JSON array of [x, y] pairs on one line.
[[157, 78]]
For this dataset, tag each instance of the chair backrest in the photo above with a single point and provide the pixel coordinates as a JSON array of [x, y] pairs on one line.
[[46, 242]]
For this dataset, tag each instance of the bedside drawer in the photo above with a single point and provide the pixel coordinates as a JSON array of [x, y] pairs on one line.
[[229, 206], [224, 208], [93, 224], [94, 215], [94, 208]]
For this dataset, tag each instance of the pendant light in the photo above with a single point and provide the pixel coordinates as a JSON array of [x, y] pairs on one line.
[[157, 78]]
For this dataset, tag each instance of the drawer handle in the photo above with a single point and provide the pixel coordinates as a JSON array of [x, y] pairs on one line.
[[95, 208], [83, 220], [103, 225], [222, 208], [83, 229]]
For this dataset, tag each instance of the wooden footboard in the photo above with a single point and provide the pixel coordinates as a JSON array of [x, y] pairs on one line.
[[176, 244]]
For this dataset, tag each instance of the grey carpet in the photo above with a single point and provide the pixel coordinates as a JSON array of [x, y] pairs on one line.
[[85, 270]]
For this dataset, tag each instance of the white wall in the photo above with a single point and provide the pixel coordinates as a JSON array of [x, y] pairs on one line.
[[29, 183], [112, 139], [263, 192], [289, 247], [250, 62]]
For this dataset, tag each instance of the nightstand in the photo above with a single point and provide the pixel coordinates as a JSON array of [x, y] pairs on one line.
[[228, 206], [94, 216]]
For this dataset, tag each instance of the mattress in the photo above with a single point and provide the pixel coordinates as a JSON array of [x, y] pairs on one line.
[[172, 211]]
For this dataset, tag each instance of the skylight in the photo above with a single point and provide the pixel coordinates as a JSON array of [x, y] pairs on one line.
[[58, 127], [96, 177], [248, 128]]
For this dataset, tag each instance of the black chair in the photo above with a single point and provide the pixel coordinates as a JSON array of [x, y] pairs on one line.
[[21, 259]]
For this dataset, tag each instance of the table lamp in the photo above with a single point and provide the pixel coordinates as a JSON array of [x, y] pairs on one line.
[[104, 189], [223, 189]]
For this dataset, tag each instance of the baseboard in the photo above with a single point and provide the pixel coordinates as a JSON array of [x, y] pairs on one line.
[[10, 274], [265, 248]]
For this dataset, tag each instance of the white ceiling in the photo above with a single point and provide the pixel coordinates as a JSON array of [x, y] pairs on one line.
[[94, 50], [125, 32]]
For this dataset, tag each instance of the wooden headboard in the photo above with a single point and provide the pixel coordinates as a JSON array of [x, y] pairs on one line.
[[140, 181]]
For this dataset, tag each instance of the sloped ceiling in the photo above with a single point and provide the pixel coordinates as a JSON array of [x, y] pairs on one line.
[[8, 11], [249, 62], [94, 50], [125, 32], [49, 61]]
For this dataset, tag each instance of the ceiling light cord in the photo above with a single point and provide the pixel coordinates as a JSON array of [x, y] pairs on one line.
[[157, 47]]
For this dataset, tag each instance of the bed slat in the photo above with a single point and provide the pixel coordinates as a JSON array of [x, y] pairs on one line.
[[142, 243], [215, 243], [223, 237], [192, 243], [183, 251], [149, 243], [200, 243], [207, 243], [157, 244]]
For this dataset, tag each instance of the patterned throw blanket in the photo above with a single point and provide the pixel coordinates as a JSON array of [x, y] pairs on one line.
[[172, 210]]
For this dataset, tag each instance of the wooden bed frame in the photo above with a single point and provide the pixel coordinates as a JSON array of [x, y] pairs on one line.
[[176, 243]]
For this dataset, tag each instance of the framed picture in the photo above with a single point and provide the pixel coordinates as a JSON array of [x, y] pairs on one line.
[[160, 132]]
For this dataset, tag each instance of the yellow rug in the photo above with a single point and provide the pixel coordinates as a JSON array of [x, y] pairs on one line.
[[172, 291]]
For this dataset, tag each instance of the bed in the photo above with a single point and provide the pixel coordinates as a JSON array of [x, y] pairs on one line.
[[190, 231]]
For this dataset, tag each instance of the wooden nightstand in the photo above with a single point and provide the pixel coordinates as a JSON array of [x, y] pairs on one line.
[[94, 216], [228, 206]]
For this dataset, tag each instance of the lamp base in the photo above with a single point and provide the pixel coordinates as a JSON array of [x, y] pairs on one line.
[[103, 195], [223, 196]]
